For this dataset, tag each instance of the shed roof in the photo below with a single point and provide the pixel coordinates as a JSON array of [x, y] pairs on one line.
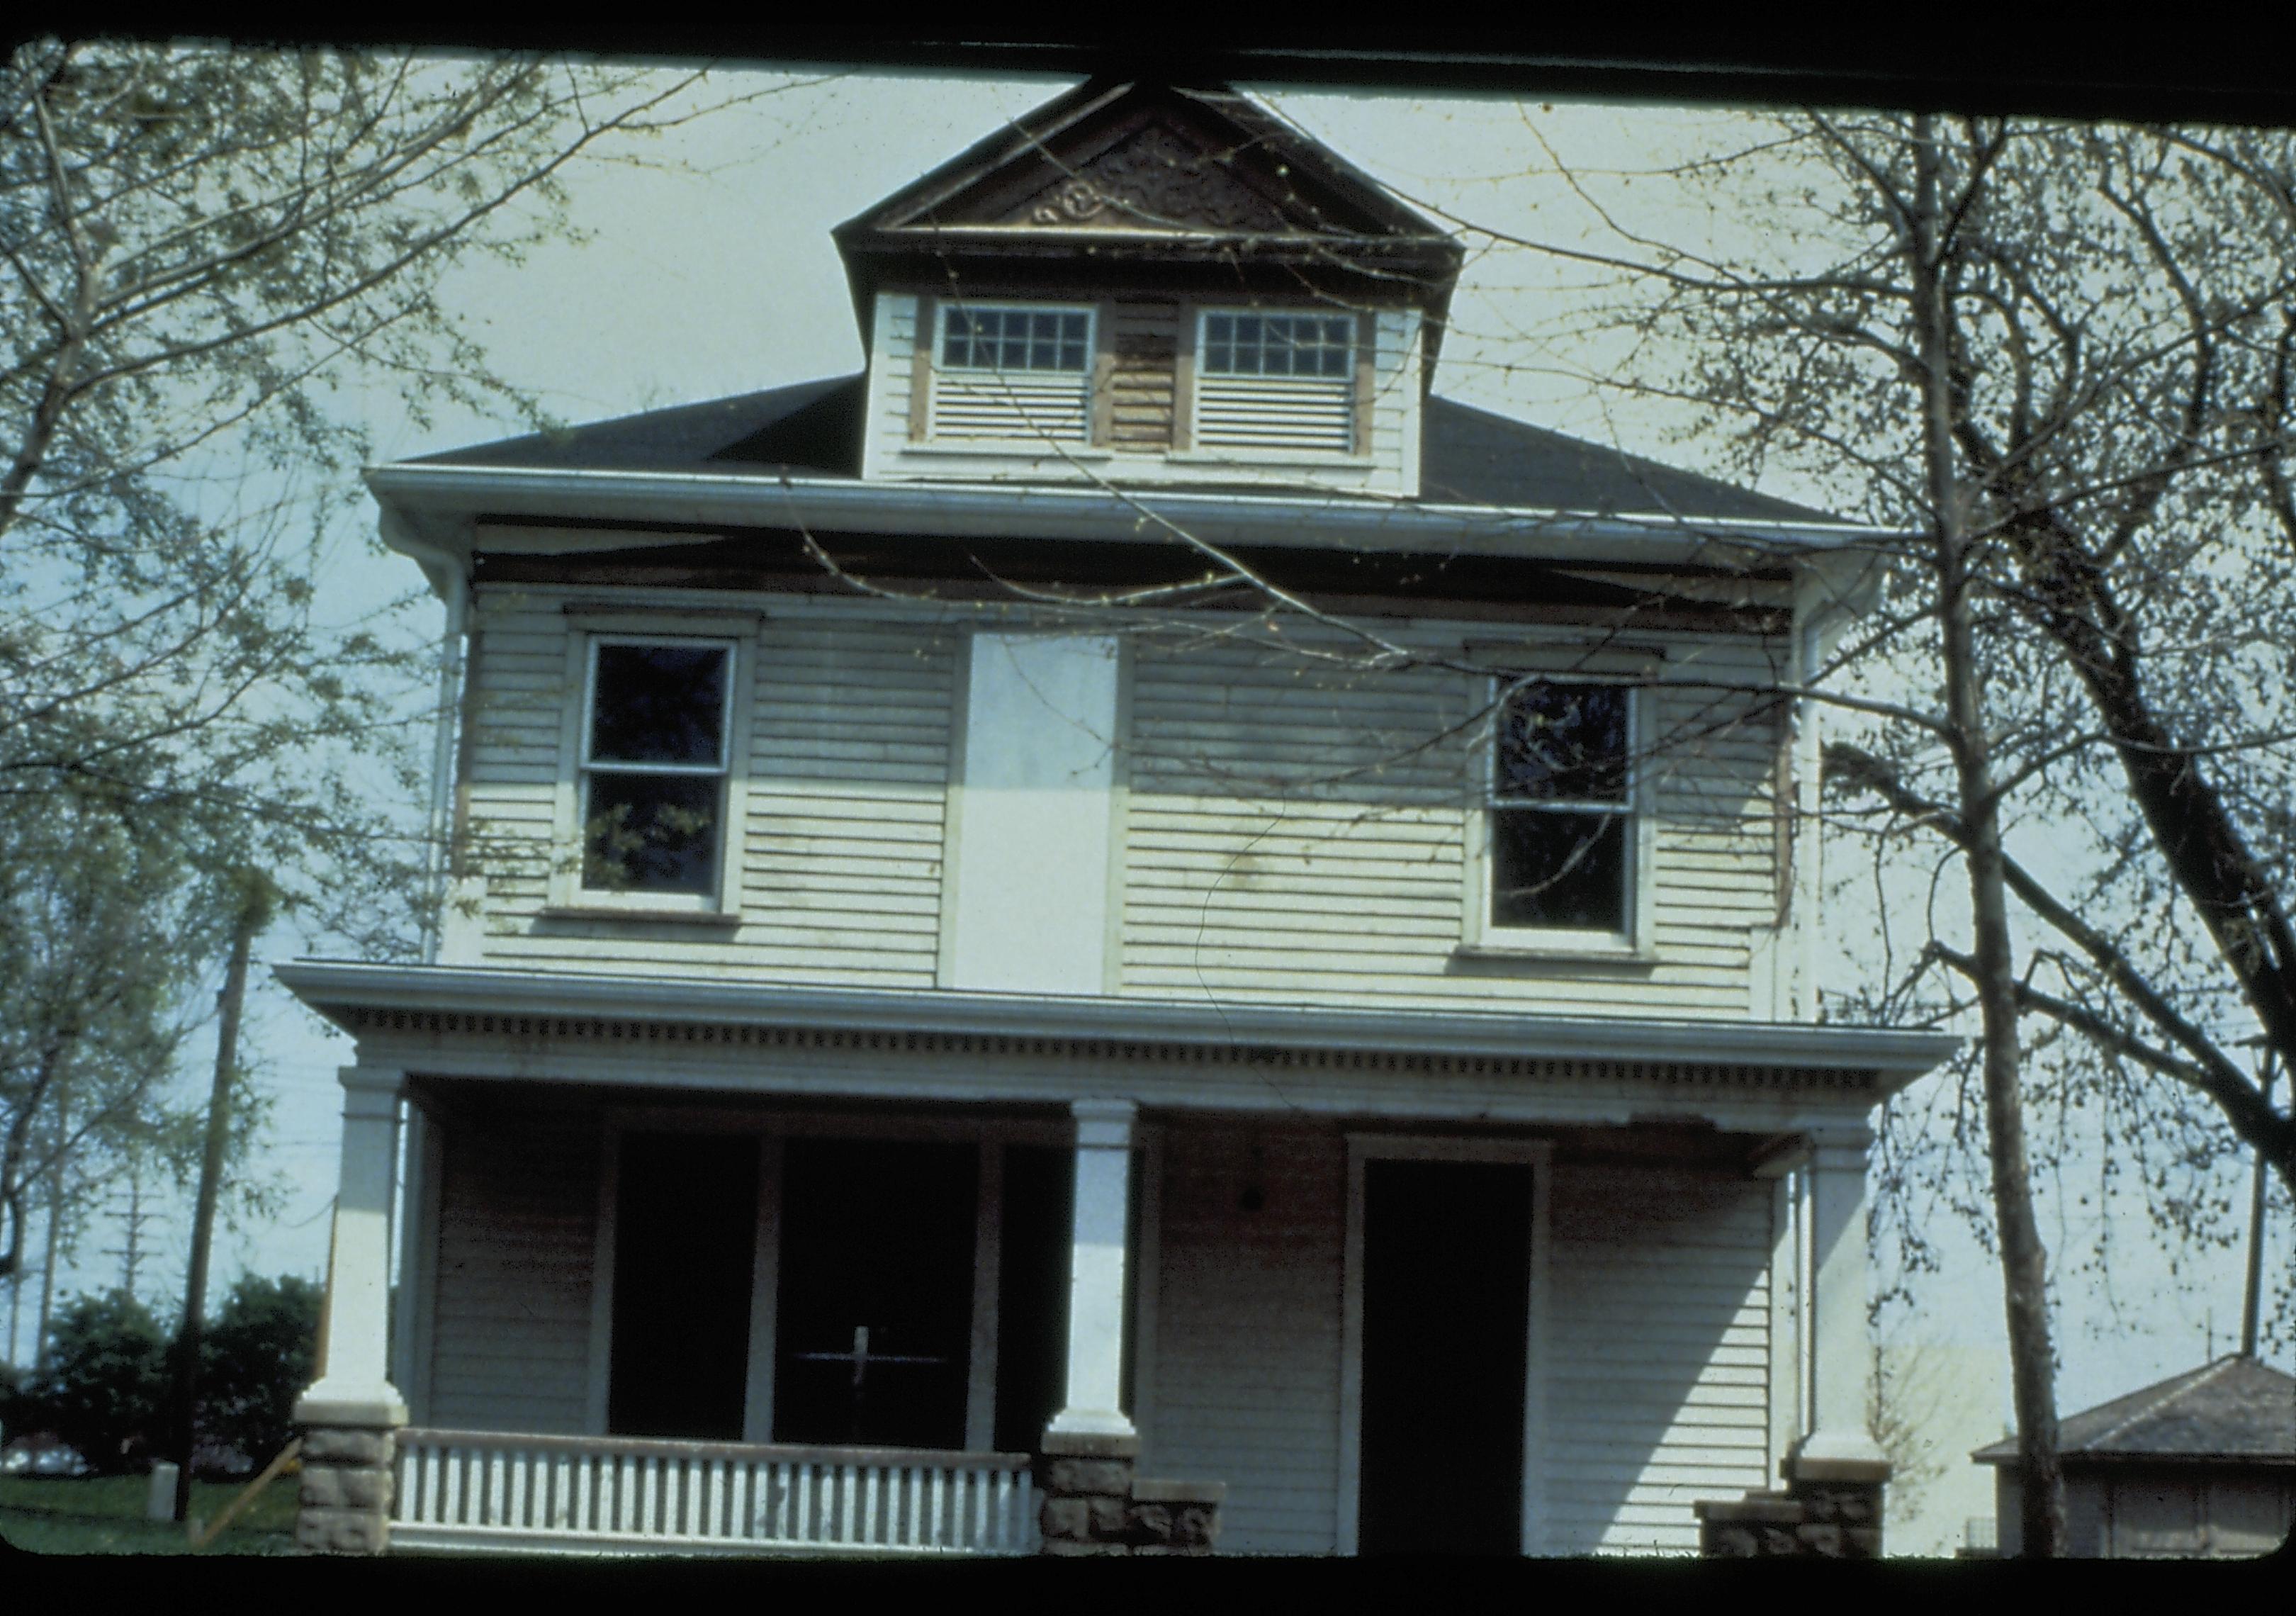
[[1468, 457], [2236, 1408]]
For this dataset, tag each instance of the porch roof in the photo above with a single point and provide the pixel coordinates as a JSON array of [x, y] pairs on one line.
[[1889, 1058]]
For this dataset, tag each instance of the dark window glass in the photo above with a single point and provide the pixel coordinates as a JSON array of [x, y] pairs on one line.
[[1563, 743], [659, 704], [1555, 863], [652, 832], [1559, 870]]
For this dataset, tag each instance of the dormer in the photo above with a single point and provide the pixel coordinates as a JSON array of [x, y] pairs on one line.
[[1148, 284]]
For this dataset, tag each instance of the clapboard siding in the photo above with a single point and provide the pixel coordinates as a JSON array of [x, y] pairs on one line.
[[1658, 1348], [845, 787], [517, 1222], [1295, 831], [1248, 1339]]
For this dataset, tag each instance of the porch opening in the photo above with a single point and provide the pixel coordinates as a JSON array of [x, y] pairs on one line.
[[685, 1245], [1446, 1316], [874, 1317]]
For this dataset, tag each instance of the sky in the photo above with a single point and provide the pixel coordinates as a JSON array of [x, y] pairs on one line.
[[710, 271]]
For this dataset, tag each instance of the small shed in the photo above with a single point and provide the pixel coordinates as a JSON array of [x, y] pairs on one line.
[[2201, 1465]]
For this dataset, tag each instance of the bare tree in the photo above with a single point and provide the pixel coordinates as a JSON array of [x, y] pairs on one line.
[[198, 245], [2056, 359]]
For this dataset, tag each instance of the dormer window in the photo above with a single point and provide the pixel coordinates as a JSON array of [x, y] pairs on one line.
[[1276, 381], [1012, 371]]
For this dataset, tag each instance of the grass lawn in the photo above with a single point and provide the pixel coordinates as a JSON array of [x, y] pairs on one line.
[[104, 1516]]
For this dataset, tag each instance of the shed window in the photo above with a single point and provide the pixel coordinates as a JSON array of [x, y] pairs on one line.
[[655, 768]]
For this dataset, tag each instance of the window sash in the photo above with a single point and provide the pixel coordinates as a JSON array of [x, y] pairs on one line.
[[1618, 815], [1300, 347], [1002, 338], [590, 767]]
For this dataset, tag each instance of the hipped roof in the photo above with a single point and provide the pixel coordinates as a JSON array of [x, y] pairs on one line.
[[2236, 1408], [1468, 457]]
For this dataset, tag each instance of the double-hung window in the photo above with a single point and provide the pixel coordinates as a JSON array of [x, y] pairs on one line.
[[1276, 381], [1012, 371], [654, 765], [1561, 846]]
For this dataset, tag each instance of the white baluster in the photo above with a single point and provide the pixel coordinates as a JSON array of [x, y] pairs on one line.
[[450, 1512], [939, 1504], [579, 1520]]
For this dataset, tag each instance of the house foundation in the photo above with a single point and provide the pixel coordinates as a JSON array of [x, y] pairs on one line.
[[1830, 1510], [1094, 1503], [344, 1501]]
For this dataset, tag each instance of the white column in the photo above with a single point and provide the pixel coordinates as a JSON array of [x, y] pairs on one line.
[[1841, 1442], [1103, 1173], [354, 1386]]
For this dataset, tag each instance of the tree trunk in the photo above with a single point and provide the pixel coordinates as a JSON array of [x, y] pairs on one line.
[[2023, 1261]]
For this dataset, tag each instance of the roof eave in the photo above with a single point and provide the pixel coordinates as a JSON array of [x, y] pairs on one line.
[[438, 503]]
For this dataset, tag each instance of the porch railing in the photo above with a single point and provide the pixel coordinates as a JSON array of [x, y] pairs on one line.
[[622, 1495]]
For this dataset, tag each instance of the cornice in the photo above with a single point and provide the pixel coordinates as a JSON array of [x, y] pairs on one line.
[[493, 1003]]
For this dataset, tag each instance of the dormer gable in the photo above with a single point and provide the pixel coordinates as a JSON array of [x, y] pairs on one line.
[[1147, 283]]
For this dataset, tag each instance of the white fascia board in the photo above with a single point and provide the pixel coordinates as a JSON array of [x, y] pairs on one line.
[[433, 498], [1896, 1057]]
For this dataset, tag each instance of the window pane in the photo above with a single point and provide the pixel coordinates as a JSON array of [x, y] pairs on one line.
[[659, 704], [1563, 743], [1276, 344], [1551, 869], [1015, 340], [651, 834]]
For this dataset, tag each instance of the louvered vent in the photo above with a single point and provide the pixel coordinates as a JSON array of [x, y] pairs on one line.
[[1011, 405], [1312, 412]]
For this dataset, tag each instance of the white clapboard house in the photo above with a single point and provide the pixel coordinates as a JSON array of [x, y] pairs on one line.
[[1131, 882]]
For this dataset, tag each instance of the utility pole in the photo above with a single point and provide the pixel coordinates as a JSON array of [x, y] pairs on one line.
[[254, 915], [130, 1251]]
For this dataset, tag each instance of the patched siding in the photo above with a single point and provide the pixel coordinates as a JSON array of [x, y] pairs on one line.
[[1658, 1342], [1247, 1387], [517, 1233]]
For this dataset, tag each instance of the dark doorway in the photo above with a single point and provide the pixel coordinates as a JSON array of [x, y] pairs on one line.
[[873, 1339], [686, 1231], [1445, 1314]]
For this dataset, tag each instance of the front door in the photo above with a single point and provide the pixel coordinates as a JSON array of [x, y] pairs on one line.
[[1445, 1349], [874, 1325], [685, 1226]]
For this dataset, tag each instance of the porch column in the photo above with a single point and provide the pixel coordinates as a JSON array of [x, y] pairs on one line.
[[1838, 1469], [349, 1415], [1104, 1174]]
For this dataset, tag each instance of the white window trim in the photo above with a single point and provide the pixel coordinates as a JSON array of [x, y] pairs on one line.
[[939, 372], [568, 898], [1200, 453], [1362, 1148], [1634, 944]]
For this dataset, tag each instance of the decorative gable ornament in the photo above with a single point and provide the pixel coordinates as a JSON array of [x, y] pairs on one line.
[[1154, 179]]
